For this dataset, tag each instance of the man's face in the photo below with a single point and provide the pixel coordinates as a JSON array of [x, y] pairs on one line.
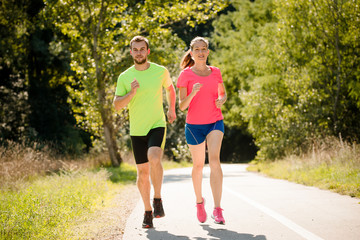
[[139, 52]]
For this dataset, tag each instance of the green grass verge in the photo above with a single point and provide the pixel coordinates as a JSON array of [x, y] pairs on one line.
[[171, 164], [126, 173], [49, 207], [45, 208], [338, 177]]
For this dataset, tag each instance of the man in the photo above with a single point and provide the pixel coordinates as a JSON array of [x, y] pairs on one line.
[[140, 88]]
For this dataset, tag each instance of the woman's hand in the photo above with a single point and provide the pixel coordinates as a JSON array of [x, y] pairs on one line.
[[219, 102], [196, 88]]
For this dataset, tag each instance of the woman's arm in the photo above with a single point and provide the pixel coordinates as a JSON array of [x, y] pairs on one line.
[[184, 101], [222, 95]]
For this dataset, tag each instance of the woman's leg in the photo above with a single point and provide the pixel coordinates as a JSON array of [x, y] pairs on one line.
[[198, 157], [214, 140]]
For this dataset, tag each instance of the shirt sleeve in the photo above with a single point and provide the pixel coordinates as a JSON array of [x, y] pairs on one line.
[[182, 81], [167, 80], [120, 87]]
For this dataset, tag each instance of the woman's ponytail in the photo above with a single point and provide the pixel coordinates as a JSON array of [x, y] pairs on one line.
[[187, 60]]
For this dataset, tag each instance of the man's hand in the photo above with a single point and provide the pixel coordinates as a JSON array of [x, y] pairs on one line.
[[134, 86], [171, 115]]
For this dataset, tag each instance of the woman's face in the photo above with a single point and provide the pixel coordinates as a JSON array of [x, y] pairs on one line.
[[199, 51]]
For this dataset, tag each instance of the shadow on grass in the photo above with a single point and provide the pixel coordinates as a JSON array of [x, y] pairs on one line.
[[124, 174]]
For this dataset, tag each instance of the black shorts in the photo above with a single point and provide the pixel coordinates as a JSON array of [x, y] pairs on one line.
[[140, 144]]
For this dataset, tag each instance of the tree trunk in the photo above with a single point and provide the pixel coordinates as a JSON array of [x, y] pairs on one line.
[[106, 116], [338, 71], [104, 108], [110, 137]]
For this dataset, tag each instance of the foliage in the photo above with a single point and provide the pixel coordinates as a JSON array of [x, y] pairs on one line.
[[14, 24], [237, 43], [291, 67], [34, 106], [99, 33]]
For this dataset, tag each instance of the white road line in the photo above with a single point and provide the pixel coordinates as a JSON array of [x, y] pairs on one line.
[[287, 222]]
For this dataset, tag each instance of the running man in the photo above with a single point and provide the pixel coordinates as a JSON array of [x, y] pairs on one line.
[[140, 88]]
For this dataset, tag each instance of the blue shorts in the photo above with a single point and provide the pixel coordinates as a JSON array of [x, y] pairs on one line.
[[196, 133]]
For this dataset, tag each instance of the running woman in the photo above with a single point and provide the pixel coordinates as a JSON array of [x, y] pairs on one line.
[[140, 88], [202, 91]]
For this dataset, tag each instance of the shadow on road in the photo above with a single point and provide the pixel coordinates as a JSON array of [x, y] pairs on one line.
[[176, 178], [152, 234], [214, 234], [228, 234]]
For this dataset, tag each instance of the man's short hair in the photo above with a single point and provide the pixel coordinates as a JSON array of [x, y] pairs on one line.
[[139, 39]]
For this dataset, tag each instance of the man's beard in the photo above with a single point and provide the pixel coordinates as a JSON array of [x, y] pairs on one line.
[[142, 61]]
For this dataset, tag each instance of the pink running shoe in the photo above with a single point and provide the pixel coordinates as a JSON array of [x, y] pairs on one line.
[[201, 213], [217, 216]]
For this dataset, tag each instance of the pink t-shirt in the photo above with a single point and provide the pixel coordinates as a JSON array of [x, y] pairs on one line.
[[202, 108]]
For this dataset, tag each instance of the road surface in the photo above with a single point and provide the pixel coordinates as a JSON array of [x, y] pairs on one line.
[[255, 208]]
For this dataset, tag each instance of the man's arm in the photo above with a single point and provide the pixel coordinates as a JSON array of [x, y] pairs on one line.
[[171, 99], [122, 101]]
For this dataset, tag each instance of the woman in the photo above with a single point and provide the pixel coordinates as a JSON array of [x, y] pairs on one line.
[[201, 89]]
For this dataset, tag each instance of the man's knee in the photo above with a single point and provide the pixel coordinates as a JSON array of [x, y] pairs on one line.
[[154, 155], [143, 171]]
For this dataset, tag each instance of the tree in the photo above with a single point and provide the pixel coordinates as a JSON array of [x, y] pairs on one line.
[[237, 42], [322, 39], [34, 107], [14, 25], [99, 30], [292, 66]]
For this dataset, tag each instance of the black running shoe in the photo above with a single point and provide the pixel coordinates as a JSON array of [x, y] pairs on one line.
[[148, 217], [158, 208]]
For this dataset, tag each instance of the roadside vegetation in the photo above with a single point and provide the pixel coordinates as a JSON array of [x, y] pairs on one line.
[[331, 164], [291, 74], [42, 197]]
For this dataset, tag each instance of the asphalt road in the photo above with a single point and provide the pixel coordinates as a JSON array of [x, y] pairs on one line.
[[255, 208]]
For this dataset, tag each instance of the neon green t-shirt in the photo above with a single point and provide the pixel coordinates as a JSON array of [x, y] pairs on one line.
[[146, 107]]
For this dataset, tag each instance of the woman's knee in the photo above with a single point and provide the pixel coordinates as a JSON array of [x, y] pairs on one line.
[[214, 163], [198, 165]]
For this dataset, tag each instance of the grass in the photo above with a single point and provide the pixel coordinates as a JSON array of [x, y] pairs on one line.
[[43, 197], [331, 164], [50, 207], [46, 207], [171, 164], [126, 173]]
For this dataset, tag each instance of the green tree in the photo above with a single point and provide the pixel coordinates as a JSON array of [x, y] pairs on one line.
[[34, 107], [292, 67], [239, 54], [99, 30], [14, 25], [321, 40]]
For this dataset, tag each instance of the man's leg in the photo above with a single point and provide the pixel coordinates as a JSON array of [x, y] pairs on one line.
[[143, 184], [156, 169]]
